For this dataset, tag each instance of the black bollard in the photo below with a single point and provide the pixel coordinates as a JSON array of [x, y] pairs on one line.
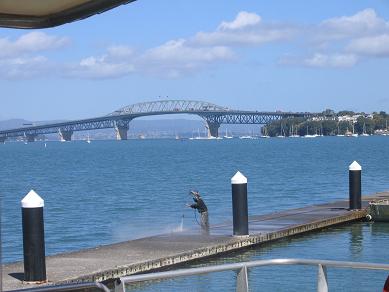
[[239, 204], [355, 192], [33, 238]]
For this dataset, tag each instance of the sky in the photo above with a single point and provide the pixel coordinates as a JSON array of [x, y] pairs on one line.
[[246, 54]]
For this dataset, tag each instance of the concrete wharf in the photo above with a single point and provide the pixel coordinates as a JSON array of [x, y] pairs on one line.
[[156, 252]]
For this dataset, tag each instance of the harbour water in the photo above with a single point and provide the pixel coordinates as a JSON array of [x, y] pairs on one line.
[[110, 191]]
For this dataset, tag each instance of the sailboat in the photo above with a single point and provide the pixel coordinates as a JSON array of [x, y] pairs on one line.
[[282, 135], [348, 133], [265, 135], [88, 139], [383, 132], [205, 137], [339, 135], [321, 131], [309, 136], [294, 133], [354, 134], [226, 135], [198, 137], [364, 134]]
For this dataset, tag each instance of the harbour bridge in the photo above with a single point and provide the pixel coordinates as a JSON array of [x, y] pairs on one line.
[[213, 115]]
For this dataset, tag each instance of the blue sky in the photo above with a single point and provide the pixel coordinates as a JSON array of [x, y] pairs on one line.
[[258, 55]]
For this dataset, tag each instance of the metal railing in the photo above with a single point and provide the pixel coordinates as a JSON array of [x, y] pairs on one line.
[[242, 284]]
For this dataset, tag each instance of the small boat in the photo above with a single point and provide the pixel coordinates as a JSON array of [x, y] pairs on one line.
[[265, 134], [348, 133], [226, 136], [364, 134], [246, 137], [282, 133], [339, 134], [308, 135], [351, 134], [293, 133], [249, 137], [379, 210], [88, 140], [205, 137]]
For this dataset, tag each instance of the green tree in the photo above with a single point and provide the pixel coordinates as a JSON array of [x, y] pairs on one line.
[[346, 113], [329, 127]]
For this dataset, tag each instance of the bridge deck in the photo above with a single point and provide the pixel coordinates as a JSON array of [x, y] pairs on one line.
[[145, 254], [211, 113]]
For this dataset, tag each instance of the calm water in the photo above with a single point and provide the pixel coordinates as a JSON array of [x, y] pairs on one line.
[[110, 191]]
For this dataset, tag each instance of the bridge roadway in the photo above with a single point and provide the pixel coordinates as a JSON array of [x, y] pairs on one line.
[[212, 114]]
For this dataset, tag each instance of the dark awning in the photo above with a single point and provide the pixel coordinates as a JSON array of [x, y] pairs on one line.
[[49, 13]]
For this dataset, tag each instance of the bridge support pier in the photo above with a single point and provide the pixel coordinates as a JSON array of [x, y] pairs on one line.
[[66, 135], [121, 128], [2, 139], [213, 129]]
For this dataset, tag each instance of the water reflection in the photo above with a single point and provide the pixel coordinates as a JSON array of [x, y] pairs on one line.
[[359, 241], [356, 241], [379, 228]]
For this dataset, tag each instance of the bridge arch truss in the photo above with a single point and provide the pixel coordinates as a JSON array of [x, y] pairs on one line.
[[169, 106]]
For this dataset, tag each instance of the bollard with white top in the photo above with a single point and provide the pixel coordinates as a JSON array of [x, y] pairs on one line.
[[33, 238], [239, 205], [355, 188]]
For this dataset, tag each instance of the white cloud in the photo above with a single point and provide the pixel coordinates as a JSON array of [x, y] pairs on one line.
[[25, 67], [247, 38], [106, 66], [170, 60], [247, 29], [376, 46], [175, 58], [333, 61], [18, 59], [120, 52], [179, 51], [365, 22], [353, 38], [30, 43], [242, 20], [341, 42]]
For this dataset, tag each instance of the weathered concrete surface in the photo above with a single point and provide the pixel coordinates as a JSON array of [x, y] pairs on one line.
[[134, 256]]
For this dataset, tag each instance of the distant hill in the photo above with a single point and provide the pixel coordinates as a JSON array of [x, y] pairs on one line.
[[18, 123], [14, 123]]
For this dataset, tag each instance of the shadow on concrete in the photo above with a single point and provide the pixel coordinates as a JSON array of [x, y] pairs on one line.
[[19, 276]]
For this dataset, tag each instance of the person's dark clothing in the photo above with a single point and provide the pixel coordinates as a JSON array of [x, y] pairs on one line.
[[203, 210], [199, 205]]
